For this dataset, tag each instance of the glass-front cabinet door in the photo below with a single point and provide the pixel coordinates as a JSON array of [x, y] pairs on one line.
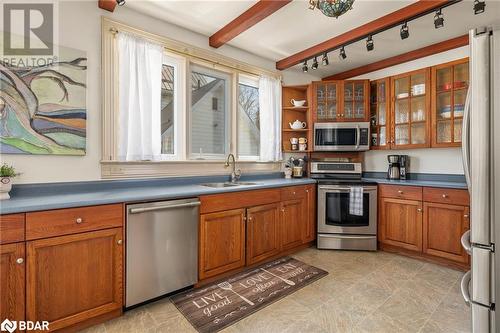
[[326, 100], [411, 98], [450, 84], [379, 114], [355, 103]]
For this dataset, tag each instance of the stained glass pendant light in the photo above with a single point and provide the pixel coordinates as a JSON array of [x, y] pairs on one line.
[[332, 8]]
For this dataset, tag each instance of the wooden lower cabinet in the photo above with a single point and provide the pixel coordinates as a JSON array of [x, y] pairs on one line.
[[70, 279], [400, 223], [444, 225], [222, 242], [309, 234], [12, 281], [293, 217], [263, 232]]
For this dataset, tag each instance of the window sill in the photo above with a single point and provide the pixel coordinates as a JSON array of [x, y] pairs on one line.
[[145, 169]]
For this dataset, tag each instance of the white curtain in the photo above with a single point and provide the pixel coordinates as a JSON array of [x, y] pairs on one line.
[[140, 65], [270, 118]]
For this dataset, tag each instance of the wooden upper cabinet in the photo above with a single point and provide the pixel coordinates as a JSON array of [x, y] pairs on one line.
[[444, 225], [263, 232], [380, 120], [450, 82], [400, 223], [355, 100], [12, 281], [292, 221], [411, 96], [74, 278], [222, 242], [326, 100]]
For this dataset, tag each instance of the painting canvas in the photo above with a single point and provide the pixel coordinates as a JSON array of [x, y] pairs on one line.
[[43, 107]]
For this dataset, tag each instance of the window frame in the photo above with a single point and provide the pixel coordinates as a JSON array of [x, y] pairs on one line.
[[252, 81]]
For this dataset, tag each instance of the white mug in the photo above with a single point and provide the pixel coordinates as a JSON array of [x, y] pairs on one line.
[[298, 102], [302, 140], [294, 141], [302, 146]]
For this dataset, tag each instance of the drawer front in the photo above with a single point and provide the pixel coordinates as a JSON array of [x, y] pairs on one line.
[[446, 196], [11, 228], [234, 200], [293, 192], [59, 222], [400, 192]]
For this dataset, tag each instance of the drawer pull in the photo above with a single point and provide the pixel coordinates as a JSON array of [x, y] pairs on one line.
[[400, 192], [445, 196], [79, 220], [419, 210], [119, 242], [19, 261]]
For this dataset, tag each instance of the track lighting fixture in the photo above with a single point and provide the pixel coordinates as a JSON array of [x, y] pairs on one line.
[[369, 44], [325, 61], [438, 19], [304, 67], [120, 2], [342, 54], [404, 32], [314, 66], [479, 6]]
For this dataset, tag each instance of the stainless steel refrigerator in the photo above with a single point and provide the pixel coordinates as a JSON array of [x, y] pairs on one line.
[[481, 156]]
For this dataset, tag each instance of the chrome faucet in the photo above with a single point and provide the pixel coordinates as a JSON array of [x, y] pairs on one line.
[[235, 174]]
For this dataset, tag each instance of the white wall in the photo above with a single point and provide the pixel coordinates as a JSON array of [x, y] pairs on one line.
[[435, 160], [80, 28]]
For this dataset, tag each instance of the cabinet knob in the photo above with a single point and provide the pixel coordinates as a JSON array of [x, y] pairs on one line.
[[307, 191], [466, 216], [19, 261], [400, 192], [282, 209], [119, 242], [293, 192], [79, 220], [250, 218], [419, 210], [445, 196]]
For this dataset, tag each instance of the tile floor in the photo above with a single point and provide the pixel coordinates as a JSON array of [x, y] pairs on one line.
[[364, 292]]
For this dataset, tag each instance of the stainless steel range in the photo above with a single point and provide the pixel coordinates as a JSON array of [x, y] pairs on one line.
[[347, 207]]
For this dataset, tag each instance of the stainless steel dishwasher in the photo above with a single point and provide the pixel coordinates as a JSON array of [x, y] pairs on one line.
[[162, 248]]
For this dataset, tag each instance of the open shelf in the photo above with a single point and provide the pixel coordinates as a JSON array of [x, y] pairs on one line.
[[296, 108], [296, 130]]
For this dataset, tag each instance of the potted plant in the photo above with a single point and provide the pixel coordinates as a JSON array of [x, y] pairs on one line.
[[7, 172]]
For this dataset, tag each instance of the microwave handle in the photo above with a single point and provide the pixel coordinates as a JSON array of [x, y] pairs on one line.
[[358, 135]]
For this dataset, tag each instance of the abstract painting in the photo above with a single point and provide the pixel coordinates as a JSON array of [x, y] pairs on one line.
[[43, 107]]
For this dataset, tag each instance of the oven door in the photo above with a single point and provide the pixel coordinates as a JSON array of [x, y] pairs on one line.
[[341, 137], [333, 211]]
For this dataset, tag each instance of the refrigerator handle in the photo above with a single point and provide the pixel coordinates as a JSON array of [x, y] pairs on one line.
[[464, 287], [465, 240], [466, 138]]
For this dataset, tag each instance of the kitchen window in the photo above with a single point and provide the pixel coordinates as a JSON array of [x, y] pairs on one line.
[[248, 118]]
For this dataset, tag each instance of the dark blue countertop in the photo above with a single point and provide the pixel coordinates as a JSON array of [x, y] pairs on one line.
[[36, 197], [418, 182]]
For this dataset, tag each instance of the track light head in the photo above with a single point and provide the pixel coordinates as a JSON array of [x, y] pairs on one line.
[[479, 6], [438, 19], [120, 2], [324, 60], [304, 67], [314, 65], [405, 31], [342, 54], [369, 44]]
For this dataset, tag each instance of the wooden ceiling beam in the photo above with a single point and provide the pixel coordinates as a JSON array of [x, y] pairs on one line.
[[249, 18], [388, 21], [402, 58], [108, 5]]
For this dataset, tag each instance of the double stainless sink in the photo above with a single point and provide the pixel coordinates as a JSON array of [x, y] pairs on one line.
[[228, 184]]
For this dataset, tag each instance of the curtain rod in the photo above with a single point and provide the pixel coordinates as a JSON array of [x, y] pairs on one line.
[[115, 31]]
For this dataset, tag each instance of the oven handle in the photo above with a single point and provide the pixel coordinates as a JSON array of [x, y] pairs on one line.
[[346, 236], [344, 189]]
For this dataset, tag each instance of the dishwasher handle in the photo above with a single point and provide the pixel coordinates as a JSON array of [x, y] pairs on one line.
[[151, 209]]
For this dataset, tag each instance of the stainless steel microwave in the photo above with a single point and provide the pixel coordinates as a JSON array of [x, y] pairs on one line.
[[342, 136]]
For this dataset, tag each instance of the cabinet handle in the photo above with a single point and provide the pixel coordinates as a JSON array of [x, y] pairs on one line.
[[119, 242], [445, 196], [400, 192], [79, 220], [419, 210], [19, 261]]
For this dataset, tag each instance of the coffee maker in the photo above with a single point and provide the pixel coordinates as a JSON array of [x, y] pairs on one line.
[[394, 167], [404, 165]]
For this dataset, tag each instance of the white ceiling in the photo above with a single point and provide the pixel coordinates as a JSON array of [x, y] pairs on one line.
[[294, 27]]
